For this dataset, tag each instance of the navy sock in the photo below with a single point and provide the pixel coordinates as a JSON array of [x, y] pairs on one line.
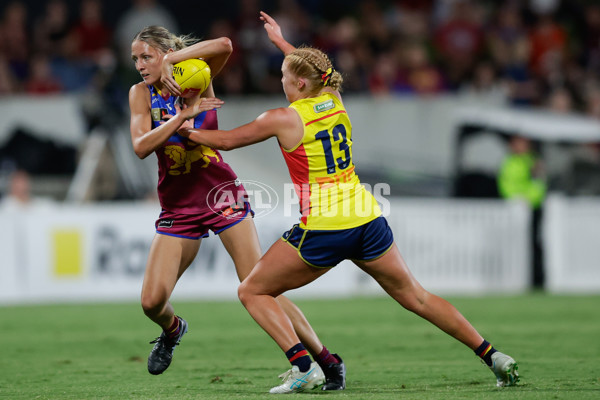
[[299, 356], [485, 351]]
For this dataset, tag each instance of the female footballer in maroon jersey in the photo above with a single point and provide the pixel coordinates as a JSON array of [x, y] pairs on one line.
[[187, 173]]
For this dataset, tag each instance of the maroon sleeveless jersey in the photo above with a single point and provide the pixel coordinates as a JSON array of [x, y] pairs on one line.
[[190, 174]]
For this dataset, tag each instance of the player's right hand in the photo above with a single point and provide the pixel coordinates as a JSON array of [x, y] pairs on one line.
[[166, 77]]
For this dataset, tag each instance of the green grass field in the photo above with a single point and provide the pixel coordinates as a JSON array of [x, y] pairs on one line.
[[99, 351]]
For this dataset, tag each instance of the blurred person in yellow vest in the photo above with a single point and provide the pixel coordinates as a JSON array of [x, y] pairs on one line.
[[522, 176]]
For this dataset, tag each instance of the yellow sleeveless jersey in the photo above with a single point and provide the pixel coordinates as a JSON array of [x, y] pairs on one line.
[[321, 167]]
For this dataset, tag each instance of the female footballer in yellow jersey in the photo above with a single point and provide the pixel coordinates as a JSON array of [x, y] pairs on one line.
[[340, 219], [322, 170]]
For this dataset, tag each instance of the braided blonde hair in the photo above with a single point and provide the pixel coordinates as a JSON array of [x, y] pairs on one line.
[[163, 40], [316, 67]]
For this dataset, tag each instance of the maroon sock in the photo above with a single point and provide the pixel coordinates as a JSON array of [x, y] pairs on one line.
[[325, 358], [173, 330]]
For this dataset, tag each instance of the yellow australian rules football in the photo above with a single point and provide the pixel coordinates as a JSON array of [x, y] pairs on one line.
[[193, 76]]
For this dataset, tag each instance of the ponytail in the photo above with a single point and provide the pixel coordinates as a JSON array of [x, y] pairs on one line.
[[315, 66]]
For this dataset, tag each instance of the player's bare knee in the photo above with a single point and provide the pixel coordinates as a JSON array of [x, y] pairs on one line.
[[413, 304], [152, 304], [243, 292], [412, 299], [247, 290]]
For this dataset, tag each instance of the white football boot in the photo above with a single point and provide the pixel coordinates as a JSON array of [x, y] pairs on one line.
[[505, 369], [296, 381]]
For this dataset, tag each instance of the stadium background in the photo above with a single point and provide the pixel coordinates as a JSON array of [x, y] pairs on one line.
[[420, 75], [433, 99]]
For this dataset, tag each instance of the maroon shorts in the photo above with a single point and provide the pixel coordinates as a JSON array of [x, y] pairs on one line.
[[196, 226]]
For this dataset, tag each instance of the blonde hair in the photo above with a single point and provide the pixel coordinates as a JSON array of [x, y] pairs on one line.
[[163, 40], [316, 67]]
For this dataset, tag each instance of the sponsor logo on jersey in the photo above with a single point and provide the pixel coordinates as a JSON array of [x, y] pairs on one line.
[[233, 211], [324, 106], [165, 223]]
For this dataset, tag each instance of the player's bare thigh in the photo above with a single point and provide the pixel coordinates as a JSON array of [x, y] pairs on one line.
[[168, 259], [392, 273], [279, 270], [241, 242]]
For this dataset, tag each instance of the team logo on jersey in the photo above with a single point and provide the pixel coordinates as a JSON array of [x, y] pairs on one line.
[[183, 159], [158, 114], [324, 106]]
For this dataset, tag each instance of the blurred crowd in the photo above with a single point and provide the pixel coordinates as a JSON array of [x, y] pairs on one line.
[[532, 52]]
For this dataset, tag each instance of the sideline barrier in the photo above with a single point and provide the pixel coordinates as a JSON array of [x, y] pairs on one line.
[[464, 246], [571, 232], [98, 252]]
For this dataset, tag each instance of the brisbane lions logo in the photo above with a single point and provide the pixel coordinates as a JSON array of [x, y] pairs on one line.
[[184, 159]]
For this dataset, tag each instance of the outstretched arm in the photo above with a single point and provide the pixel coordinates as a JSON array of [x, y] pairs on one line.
[[283, 123], [274, 32], [276, 36], [215, 52]]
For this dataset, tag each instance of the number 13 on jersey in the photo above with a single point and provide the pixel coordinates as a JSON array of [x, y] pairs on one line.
[[336, 147]]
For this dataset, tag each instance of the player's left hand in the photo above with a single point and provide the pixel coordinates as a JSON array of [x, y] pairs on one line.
[[201, 105]]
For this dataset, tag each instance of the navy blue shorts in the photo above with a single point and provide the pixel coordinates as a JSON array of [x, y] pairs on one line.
[[326, 249]]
